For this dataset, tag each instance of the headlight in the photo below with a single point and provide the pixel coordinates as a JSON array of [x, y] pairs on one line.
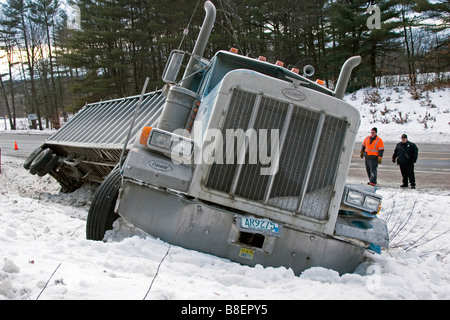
[[371, 203], [361, 200], [180, 149], [160, 139], [355, 197]]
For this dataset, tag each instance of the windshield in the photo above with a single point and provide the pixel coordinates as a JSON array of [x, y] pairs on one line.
[[224, 62]]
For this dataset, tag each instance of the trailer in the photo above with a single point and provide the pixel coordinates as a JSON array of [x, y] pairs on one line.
[[238, 157]]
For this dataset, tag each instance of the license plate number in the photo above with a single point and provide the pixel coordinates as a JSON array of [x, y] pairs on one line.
[[264, 226]]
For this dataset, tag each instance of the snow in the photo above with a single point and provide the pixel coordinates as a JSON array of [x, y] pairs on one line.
[[427, 118], [44, 253]]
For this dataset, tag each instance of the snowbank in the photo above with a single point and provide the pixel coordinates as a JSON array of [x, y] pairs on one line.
[[42, 238], [395, 111]]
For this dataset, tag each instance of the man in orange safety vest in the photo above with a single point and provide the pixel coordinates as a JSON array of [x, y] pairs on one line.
[[373, 148]]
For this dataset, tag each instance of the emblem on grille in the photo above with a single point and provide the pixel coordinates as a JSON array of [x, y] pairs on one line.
[[293, 94], [160, 166]]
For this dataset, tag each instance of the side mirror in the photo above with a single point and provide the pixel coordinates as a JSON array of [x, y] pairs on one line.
[[173, 66]]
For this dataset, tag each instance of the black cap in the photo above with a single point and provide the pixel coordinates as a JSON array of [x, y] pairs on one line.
[[375, 129], [404, 136]]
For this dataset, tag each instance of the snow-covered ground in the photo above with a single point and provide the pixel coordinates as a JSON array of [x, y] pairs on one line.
[[44, 253], [394, 112]]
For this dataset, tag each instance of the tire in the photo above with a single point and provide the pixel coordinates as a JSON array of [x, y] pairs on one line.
[[31, 157], [49, 166], [101, 214], [40, 161]]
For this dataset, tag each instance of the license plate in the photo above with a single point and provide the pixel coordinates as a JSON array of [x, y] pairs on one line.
[[263, 226]]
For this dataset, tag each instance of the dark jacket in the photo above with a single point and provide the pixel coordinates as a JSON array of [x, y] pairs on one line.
[[406, 153]]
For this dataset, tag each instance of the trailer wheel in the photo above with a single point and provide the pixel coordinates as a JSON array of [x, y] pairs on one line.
[[101, 214], [40, 161], [31, 157], [49, 166]]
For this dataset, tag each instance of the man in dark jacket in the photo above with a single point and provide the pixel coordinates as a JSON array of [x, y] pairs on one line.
[[406, 154]]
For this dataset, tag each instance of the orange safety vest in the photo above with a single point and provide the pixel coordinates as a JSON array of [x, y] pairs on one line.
[[373, 148]]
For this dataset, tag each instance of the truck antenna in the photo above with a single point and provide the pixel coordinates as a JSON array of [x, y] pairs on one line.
[[186, 30]]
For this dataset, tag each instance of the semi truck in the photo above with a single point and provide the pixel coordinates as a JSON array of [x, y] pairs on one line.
[[237, 157]]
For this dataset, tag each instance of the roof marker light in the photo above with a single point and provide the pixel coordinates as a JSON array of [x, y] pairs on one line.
[[321, 82]]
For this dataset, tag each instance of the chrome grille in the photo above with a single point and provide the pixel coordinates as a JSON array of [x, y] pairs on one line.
[[310, 147]]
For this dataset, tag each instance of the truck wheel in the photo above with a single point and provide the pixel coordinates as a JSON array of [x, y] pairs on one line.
[[31, 157], [101, 214], [40, 161], [49, 165]]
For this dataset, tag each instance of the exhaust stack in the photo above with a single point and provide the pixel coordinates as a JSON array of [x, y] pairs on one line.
[[200, 44], [180, 99], [344, 76]]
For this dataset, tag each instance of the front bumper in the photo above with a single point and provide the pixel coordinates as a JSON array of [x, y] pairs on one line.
[[200, 226]]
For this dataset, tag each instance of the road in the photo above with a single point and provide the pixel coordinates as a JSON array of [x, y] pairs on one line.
[[26, 143], [432, 168]]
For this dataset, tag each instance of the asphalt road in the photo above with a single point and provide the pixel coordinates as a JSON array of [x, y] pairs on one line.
[[26, 143], [432, 168]]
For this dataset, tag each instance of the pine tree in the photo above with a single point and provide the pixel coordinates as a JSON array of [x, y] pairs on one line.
[[98, 50], [379, 42]]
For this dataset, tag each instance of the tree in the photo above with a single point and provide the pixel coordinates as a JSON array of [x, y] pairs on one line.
[[9, 49], [436, 20], [121, 42], [27, 40], [379, 42], [43, 13]]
